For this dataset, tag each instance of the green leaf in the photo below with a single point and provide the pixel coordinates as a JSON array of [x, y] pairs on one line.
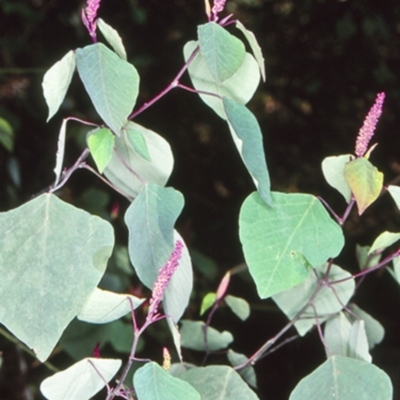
[[374, 330], [56, 82], [240, 87], [383, 241], [333, 170], [80, 338], [58, 255], [345, 379], [346, 338], [112, 37], [152, 382], [247, 373], [223, 52], [129, 171], [247, 136], [150, 220], [138, 142], [219, 382], [208, 302], [177, 293], [192, 337], [326, 303], [104, 306], [80, 381], [365, 182], [6, 135], [365, 259], [238, 306], [101, 144], [395, 193], [112, 83], [255, 47], [280, 243]]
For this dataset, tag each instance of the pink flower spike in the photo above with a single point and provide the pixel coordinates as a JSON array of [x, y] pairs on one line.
[[218, 6], [163, 278], [88, 17], [367, 130]]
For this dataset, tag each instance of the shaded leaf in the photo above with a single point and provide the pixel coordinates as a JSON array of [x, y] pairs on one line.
[[395, 193], [281, 243], [365, 259], [326, 303], [138, 142], [192, 337], [239, 306], [219, 382], [6, 135], [129, 171], [247, 373]]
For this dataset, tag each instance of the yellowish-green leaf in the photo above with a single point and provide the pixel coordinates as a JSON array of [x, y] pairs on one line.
[[101, 144], [208, 302], [365, 182]]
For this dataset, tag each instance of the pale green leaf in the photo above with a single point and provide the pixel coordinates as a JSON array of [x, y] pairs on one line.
[[152, 382], [247, 373], [383, 241], [129, 171], [101, 144], [138, 142], [176, 336], [395, 193], [150, 220], [112, 37], [177, 293], [326, 303], [238, 306], [240, 87], [6, 135], [104, 306], [219, 382], [223, 52], [56, 82], [373, 328], [333, 170], [346, 338], [247, 136], [58, 255], [345, 379], [192, 337], [80, 381], [255, 47], [365, 259], [281, 243], [207, 302], [365, 182], [111, 83]]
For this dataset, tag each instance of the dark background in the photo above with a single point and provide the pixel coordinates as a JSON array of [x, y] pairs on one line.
[[325, 62]]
